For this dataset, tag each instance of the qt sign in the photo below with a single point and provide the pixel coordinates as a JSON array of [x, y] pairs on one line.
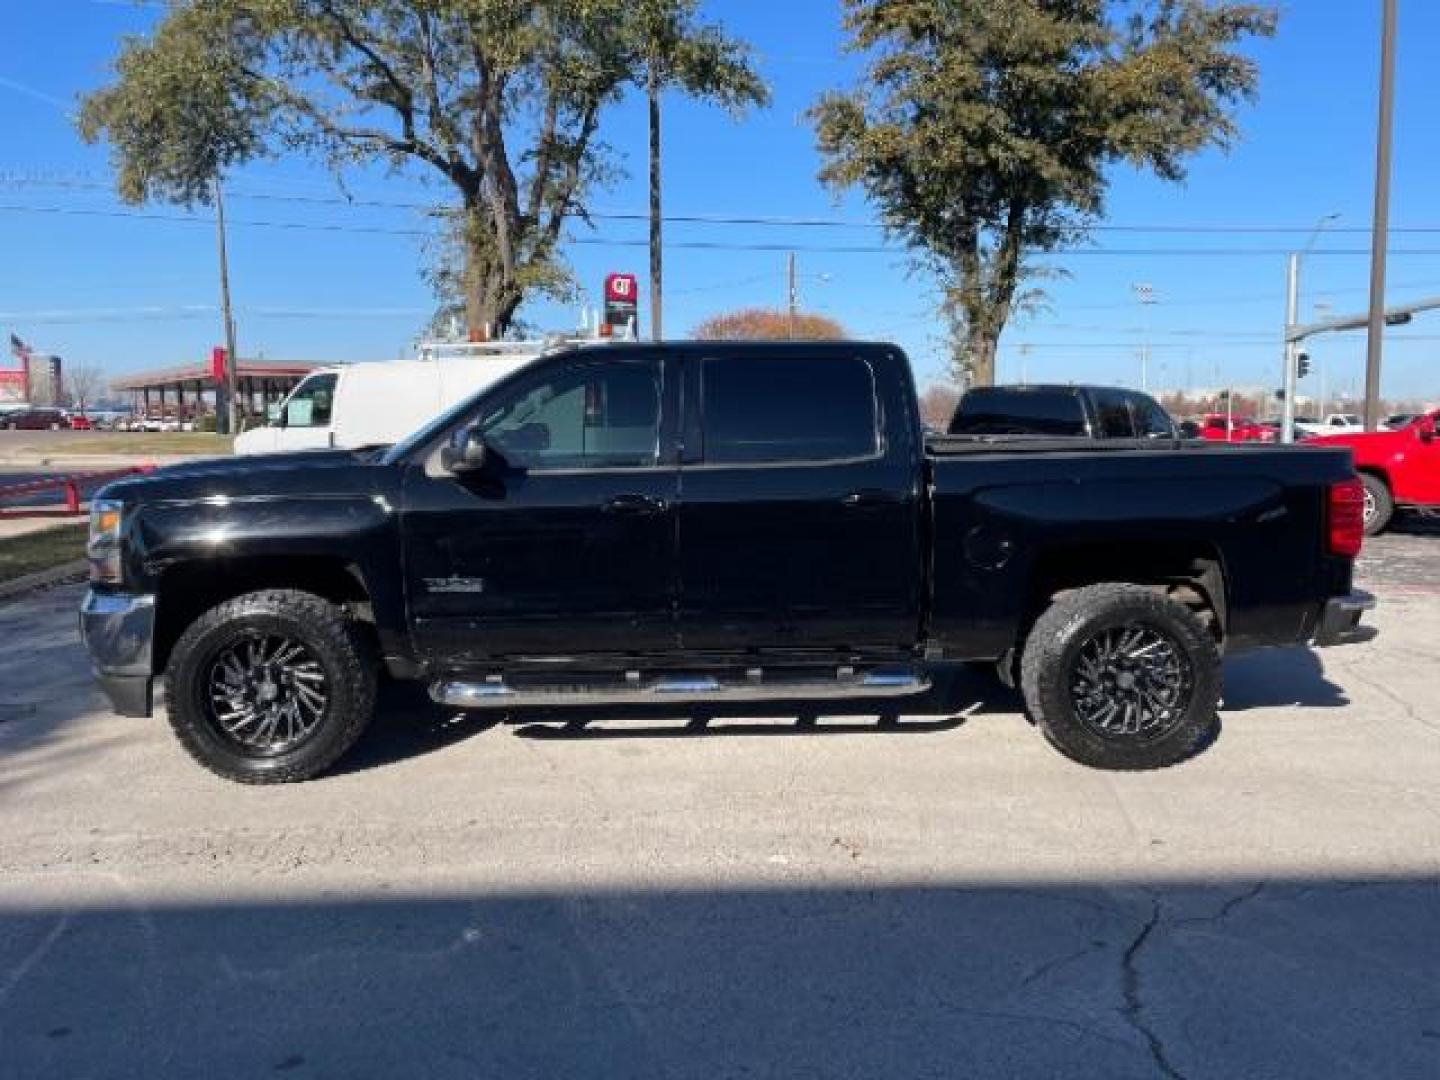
[[620, 289], [621, 295]]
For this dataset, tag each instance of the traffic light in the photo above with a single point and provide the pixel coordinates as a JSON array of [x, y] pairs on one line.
[[1302, 365]]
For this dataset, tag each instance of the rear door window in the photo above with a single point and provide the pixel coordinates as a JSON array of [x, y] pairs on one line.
[[1151, 421], [1112, 414], [1019, 412], [787, 410]]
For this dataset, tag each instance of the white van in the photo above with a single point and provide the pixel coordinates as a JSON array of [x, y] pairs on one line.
[[376, 403]]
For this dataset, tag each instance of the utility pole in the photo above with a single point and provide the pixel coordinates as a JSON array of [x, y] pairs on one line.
[[653, 87], [794, 301], [1323, 311], [1380, 237], [231, 416]]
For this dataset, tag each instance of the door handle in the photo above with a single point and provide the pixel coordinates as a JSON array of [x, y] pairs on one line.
[[633, 504], [870, 497]]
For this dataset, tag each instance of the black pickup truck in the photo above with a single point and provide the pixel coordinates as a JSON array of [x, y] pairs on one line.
[[667, 523]]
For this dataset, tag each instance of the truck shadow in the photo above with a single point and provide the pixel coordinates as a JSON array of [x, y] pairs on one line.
[[409, 725], [1272, 678], [1416, 523]]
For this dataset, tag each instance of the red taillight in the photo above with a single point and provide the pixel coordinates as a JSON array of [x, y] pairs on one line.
[[1347, 518]]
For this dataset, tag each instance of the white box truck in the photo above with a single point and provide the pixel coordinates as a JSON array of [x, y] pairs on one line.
[[371, 404]]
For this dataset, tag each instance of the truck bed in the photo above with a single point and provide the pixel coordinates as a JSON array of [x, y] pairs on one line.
[[1014, 517]]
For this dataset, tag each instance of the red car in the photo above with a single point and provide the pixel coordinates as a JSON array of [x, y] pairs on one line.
[[81, 422], [1217, 427], [1399, 468]]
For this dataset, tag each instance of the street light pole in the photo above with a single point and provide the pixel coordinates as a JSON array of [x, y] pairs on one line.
[[1145, 292], [1380, 238], [1292, 350], [793, 295], [1292, 319]]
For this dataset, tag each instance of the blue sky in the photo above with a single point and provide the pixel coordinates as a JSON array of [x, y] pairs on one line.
[[326, 281]]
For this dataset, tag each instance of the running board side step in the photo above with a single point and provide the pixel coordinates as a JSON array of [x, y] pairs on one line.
[[495, 692]]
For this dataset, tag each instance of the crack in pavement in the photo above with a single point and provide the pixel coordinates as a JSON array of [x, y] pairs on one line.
[[1133, 1009], [1059, 962], [1226, 909], [1384, 691]]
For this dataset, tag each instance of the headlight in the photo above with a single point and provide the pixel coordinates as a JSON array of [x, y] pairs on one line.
[[103, 548]]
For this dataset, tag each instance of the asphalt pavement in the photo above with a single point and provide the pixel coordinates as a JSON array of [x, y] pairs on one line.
[[736, 895]]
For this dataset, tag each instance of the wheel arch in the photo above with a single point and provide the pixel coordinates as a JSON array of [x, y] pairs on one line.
[[1191, 572], [186, 590]]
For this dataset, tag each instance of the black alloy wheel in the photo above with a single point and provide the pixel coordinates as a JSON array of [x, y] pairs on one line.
[[1130, 682], [267, 693]]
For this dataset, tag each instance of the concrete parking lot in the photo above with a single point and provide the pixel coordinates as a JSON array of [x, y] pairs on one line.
[[679, 896]]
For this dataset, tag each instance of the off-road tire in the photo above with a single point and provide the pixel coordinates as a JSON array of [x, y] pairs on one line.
[[331, 636], [1379, 501], [1054, 644]]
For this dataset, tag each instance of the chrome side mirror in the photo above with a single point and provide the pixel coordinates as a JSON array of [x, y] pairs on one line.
[[469, 456]]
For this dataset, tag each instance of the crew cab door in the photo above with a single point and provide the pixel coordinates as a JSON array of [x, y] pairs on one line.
[[799, 516], [1417, 480], [564, 544]]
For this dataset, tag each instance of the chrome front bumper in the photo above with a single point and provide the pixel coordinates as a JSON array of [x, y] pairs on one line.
[[1340, 621], [118, 631]]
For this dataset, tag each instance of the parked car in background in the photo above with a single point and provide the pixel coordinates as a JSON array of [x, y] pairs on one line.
[[164, 422], [1341, 424], [1396, 421], [35, 420], [1399, 468], [1090, 412], [1218, 427], [698, 521]]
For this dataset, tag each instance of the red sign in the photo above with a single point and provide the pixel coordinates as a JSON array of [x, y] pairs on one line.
[[620, 288], [217, 364], [13, 385]]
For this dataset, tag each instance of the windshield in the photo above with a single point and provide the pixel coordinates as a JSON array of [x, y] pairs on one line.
[[311, 403]]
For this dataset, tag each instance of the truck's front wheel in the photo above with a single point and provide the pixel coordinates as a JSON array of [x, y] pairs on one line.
[[270, 687], [1121, 677]]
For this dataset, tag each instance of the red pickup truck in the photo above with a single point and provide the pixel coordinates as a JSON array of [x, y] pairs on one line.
[[1399, 468], [1217, 427]]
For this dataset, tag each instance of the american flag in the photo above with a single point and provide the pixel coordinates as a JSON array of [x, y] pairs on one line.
[[19, 348]]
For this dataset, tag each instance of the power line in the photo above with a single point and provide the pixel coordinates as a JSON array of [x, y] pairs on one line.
[[14, 180]]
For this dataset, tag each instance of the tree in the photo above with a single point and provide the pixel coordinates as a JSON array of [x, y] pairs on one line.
[[937, 406], [500, 100], [768, 324], [703, 63], [983, 129], [84, 384]]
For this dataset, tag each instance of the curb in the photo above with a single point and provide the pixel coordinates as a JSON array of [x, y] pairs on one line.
[[87, 461], [63, 574]]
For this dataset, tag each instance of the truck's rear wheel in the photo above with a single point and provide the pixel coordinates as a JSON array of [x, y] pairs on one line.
[[1379, 504], [270, 687], [1121, 677]]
